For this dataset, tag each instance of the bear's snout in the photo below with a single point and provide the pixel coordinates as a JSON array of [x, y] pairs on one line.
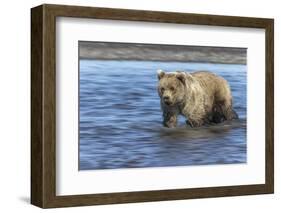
[[167, 100]]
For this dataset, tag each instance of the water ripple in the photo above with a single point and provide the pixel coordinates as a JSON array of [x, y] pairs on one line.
[[120, 119]]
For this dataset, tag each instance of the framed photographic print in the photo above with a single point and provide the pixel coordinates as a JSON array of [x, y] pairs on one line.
[[135, 106]]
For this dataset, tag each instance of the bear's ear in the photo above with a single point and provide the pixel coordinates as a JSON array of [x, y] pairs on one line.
[[160, 74], [181, 76]]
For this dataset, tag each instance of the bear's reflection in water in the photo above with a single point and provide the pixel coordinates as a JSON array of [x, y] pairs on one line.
[[121, 120], [207, 132]]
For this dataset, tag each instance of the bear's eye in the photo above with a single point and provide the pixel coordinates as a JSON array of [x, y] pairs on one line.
[[172, 88], [162, 89]]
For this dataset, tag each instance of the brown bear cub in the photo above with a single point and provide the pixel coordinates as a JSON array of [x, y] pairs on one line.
[[202, 97]]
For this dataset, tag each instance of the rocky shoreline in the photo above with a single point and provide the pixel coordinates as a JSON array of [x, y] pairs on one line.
[[156, 52]]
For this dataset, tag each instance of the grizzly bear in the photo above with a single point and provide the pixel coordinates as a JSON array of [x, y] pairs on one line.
[[202, 97]]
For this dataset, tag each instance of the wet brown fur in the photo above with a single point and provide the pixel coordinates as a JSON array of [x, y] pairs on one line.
[[202, 97]]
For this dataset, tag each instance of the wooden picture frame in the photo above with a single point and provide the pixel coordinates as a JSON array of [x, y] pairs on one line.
[[43, 105]]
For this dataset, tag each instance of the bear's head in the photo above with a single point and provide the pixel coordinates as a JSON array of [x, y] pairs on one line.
[[171, 87]]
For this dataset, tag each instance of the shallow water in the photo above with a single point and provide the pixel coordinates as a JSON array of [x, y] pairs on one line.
[[121, 121]]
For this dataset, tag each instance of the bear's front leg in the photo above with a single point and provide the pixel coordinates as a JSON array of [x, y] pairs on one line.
[[169, 119], [195, 123], [196, 118]]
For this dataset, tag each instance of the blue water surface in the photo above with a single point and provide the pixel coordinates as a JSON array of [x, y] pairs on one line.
[[121, 120]]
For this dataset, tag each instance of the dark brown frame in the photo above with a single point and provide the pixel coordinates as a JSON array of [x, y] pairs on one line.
[[43, 105]]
